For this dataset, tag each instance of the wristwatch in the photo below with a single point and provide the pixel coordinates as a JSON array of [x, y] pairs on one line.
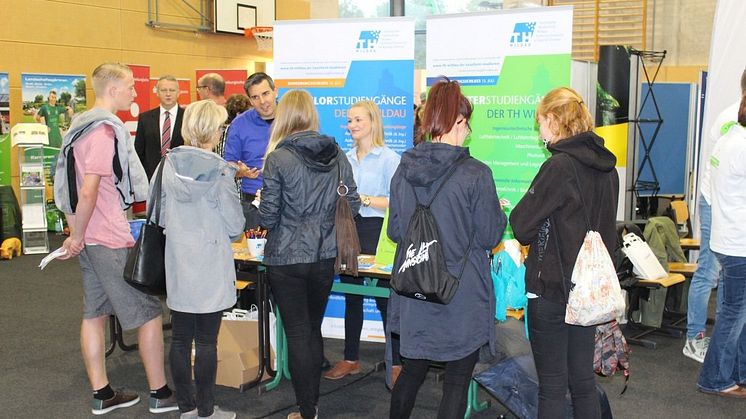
[[366, 201]]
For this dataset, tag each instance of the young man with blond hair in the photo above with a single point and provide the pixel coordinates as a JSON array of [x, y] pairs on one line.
[[100, 235]]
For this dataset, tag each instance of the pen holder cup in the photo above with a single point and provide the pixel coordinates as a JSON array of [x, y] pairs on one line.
[[256, 247]]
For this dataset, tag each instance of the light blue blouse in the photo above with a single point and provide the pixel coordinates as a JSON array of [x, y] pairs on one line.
[[373, 175]]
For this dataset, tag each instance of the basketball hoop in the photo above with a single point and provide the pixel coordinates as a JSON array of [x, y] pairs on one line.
[[263, 36]]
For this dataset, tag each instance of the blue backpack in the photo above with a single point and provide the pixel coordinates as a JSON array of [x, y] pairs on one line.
[[509, 281]]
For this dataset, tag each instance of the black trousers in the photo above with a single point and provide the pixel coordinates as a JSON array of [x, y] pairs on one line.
[[250, 212], [368, 230], [203, 330], [302, 291], [563, 355], [455, 387]]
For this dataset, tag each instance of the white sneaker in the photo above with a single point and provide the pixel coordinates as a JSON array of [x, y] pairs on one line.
[[218, 413], [696, 348]]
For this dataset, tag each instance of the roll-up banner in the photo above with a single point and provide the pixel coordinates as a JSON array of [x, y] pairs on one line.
[[506, 62], [4, 129], [52, 99]]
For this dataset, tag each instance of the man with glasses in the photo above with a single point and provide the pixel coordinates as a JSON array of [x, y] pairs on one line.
[[247, 140], [211, 86], [159, 129]]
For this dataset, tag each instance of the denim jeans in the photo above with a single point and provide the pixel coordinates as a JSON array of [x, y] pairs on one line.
[[705, 278], [301, 292], [563, 355], [725, 363], [203, 330], [455, 387]]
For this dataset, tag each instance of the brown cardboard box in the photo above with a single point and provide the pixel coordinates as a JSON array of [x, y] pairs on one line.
[[238, 352]]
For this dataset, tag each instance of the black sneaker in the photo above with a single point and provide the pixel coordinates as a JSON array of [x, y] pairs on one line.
[[122, 398]]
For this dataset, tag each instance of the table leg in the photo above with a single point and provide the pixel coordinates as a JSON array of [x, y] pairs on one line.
[[116, 335], [473, 404]]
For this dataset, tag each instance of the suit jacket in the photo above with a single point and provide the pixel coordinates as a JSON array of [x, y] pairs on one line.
[[148, 138]]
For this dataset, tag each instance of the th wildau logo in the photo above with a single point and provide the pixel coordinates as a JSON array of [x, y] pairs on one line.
[[367, 41], [522, 34]]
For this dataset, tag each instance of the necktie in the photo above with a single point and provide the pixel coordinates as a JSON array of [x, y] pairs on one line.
[[166, 135]]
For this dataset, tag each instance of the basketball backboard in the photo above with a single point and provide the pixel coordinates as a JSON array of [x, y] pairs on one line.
[[233, 16]]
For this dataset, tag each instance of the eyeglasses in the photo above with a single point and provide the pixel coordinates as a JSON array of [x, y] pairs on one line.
[[201, 87]]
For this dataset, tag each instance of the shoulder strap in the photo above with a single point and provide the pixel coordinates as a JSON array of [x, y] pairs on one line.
[[157, 193], [580, 192], [448, 175], [72, 179], [445, 180], [559, 257]]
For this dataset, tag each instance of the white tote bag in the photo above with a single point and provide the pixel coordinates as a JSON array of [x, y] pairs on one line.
[[596, 296], [645, 264]]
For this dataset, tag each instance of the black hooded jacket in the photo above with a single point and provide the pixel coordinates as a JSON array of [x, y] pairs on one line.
[[299, 196], [551, 215]]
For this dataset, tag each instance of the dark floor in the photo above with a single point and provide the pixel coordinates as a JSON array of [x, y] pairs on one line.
[[42, 374]]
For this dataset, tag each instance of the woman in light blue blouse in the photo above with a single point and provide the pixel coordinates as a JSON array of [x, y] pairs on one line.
[[373, 166]]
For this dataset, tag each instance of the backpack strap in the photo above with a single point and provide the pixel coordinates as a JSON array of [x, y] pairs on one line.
[[448, 175], [72, 180]]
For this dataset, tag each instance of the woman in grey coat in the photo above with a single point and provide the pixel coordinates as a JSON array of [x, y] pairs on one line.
[[470, 223], [201, 213]]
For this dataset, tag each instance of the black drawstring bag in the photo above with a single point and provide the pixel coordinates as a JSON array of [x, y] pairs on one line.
[[146, 269], [420, 270]]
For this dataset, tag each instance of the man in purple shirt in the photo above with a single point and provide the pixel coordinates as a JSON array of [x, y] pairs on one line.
[[247, 140]]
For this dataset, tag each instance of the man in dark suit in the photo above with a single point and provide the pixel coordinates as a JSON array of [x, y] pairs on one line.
[[159, 129]]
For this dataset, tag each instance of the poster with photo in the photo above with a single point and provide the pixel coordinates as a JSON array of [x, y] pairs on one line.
[[4, 129], [53, 100]]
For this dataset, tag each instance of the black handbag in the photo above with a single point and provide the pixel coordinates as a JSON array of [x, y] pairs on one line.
[[145, 269]]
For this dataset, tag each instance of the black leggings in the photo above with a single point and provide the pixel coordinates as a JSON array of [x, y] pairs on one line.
[[203, 330], [563, 355], [301, 292], [455, 387]]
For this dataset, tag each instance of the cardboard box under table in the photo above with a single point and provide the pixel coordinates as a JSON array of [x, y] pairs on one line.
[[238, 353]]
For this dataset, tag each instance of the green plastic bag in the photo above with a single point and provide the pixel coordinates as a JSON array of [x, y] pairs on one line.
[[386, 249], [55, 218]]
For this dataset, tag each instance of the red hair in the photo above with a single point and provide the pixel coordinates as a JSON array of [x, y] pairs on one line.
[[445, 103]]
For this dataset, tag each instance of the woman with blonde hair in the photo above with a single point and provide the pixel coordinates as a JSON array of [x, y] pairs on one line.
[[302, 170], [576, 190], [373, 166], [201, 213]]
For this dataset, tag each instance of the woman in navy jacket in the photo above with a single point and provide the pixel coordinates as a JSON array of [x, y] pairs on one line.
[[466, 207]]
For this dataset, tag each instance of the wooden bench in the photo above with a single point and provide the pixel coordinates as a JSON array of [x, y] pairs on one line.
[[686, 269], [672, 279]]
